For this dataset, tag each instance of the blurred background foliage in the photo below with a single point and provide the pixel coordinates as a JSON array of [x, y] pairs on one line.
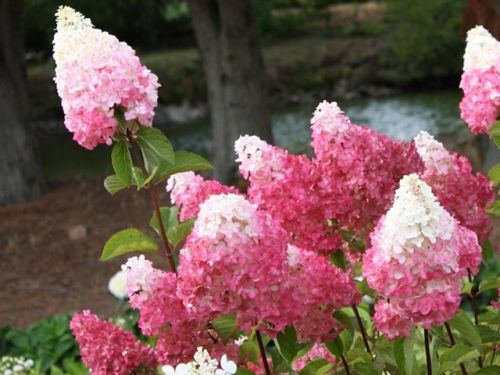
[[422, 36]]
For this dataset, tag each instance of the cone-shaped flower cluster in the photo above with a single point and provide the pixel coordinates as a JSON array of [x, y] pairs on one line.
[[480, 106], [284, 185], [419, 254], [95, 74], [359, 169], [109, 350], [464, 195]]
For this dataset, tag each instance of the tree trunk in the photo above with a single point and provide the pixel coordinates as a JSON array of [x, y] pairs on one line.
[[228, 40], [20, 173]]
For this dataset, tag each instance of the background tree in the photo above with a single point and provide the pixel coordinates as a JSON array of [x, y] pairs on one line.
[[21, 174], [228, 40]]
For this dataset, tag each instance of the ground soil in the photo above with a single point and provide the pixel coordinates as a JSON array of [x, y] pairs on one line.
[[51, 246]]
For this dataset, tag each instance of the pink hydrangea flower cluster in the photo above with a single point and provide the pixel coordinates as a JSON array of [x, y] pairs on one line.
[[95, 74], [163, 314], [318, 351], [234, 262], [480, 106], [418, 255], [109, 350], [272, 172], [463, 194], [188, 191], [317, 289], [359, 168]]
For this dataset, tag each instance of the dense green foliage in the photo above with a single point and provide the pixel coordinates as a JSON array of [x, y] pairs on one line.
[[424, 39]]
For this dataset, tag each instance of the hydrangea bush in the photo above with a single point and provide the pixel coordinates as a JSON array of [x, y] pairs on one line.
[[355, 260]]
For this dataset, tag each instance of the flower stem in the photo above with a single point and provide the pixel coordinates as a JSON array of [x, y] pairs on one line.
[[452, 341], [154, 200], [262, 352], [474, 309], [346, 367], [156, 207], [362, 329], [427, 352]]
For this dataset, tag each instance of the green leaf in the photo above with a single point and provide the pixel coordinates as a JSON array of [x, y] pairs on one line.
[[155, 147], [467, 288], [314, 366], [140, 180], [496, 140], [249, 352], [336, 347], [122, 162], [344, 318], [113, 184], [184, 161], [399, 353], [495, 129], [127, 241], [488, 251], [490, 370], [287, 343], [467, 330], [489, 284], [494, 174], [225, 326], [458, 354], [366, 368], [338, 259], [168, 217], [488, 335], [244, 371], [178, 233], [494, 209]]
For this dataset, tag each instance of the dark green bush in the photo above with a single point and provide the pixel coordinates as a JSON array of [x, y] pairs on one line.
[[424, 39]]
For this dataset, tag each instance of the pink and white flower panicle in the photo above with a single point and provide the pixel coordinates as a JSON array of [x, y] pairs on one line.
[[95, 74], [419, 254], [480, 106], [464, 195]]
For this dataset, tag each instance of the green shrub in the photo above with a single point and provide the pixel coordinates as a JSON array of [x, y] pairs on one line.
[[424, 39]]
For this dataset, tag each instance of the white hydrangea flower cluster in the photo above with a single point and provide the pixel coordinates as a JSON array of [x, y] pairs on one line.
[[415, 219], [181, 182], [203, 364], [434, 155], [482, 50], [330, 117], [226, 216], [139, 274], [76, 38], [16, 366]]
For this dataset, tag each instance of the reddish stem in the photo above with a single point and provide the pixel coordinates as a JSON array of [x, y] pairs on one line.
[[452, 341], [168, 249], [362, 329], [262, 352], [427, 352], [346, 366], [474, 309]]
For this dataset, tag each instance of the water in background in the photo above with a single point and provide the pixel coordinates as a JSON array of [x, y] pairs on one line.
[[400, 117]]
